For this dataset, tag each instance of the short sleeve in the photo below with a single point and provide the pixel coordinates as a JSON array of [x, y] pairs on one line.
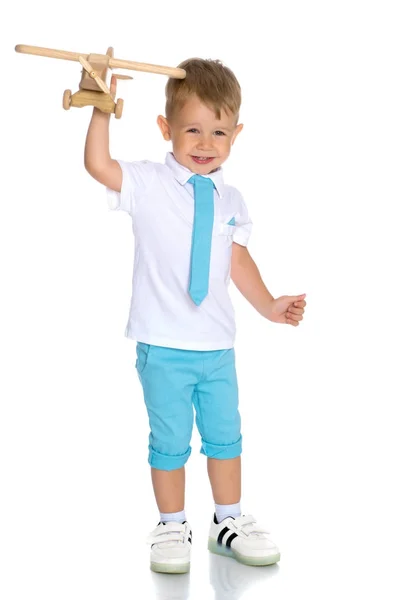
[[136, 177], [243, 222]]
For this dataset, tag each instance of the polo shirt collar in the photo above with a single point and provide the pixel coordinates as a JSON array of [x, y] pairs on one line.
[[183, 174]]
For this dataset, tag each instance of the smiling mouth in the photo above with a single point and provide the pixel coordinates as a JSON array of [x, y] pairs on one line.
[[203, 159]]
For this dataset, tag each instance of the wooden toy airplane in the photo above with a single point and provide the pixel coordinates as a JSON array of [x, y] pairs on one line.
[[93, 90]]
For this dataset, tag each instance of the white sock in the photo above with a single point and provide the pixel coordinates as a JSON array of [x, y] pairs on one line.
[[227, 510], [178, 516]]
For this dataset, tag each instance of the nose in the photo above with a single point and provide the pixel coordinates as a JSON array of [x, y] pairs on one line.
[[204, 142]]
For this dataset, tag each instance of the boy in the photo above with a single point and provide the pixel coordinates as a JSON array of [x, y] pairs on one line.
[[191, 232]]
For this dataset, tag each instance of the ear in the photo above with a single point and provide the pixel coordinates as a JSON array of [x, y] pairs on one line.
[[164, 127], [237, 131]]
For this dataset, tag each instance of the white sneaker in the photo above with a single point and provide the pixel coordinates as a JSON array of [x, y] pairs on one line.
[[244, 540], [170, 547]]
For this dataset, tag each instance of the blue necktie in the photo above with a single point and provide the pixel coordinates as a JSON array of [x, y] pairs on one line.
[[203, 222]]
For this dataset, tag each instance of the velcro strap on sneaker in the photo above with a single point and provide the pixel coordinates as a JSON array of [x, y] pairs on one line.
[[166, 537], [248, 524], [168, 532]]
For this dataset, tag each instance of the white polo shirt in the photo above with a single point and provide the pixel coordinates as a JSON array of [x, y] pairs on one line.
[[160, 202]]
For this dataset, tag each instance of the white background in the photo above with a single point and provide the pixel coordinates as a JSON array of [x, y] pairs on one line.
[[318, 164]]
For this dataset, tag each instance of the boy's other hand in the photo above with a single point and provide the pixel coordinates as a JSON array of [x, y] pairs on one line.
[[287, 309]]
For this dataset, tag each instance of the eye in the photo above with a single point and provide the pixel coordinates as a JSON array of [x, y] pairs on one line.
[[193, 130], [220, 133]]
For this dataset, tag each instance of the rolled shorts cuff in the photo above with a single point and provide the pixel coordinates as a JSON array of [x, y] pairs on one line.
[[164, 462], [222, 451]]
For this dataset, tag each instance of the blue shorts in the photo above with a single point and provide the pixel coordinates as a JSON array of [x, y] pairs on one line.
[[174, 381]]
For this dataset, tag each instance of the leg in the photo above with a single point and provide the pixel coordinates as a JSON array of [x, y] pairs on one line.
[[225, 479], [169, 489], [217, 416], [216, 401], [171, 540], [168, 378]]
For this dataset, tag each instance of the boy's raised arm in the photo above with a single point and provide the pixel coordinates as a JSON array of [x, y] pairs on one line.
[[98, 161]]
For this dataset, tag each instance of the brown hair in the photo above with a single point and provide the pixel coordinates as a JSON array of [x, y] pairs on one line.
[[211, 81]]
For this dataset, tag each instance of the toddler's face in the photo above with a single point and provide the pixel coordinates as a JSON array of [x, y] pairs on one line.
[[200, 141]]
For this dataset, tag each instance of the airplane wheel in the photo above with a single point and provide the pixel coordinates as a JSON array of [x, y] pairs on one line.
[[67, 99], [118, 108]]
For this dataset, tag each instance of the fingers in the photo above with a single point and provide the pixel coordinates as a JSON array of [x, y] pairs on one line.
[[299, 298], [294, 315], [301, 304], [295, 311], [291, 317], [290, 321]]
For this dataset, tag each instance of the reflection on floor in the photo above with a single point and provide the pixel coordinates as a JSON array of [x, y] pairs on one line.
[[228, 579]]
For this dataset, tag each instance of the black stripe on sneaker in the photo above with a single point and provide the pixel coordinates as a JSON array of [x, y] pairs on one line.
[[215, 519], [190, 540], [221, 535], [230, 539]]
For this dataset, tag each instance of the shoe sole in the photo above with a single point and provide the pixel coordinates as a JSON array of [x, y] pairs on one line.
[[253, 561], [169, 568]]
